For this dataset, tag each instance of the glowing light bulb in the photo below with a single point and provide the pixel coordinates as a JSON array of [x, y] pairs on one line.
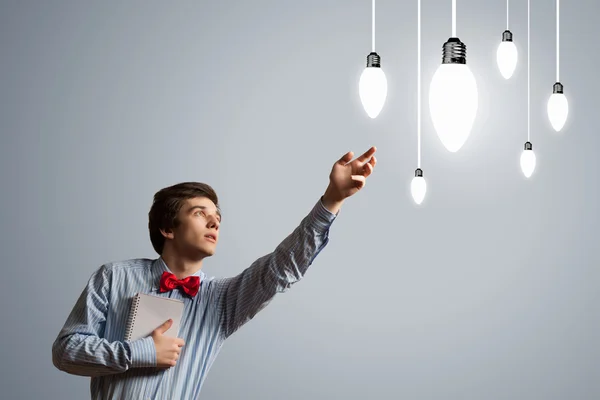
[[453, 96], [558, 107], [418, 186], [372, 86], [528, 160], [506, 55]]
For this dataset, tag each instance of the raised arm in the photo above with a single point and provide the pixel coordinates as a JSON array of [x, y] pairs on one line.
[[80, 348], [241, 297]]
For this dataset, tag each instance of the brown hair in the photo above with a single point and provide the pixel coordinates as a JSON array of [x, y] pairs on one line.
[[167, 204]]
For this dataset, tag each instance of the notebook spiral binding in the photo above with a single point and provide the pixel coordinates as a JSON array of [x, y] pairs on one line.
[[131, 319]]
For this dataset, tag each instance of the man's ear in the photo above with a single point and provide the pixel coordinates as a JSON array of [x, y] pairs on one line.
[[167, 233]]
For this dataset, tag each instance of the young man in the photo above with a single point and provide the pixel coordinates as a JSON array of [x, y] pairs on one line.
[[184, 229]]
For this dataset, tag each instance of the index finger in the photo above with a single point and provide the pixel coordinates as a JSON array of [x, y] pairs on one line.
[[366, 155]]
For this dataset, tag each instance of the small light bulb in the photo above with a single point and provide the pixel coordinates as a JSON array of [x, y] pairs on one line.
[[558, 107], [372, 86], [528, 160], [507, 55], [418, 186]]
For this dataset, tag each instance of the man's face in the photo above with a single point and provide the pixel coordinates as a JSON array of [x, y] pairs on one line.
[[198, 220]]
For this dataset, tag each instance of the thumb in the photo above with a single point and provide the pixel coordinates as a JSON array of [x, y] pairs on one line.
[[346, 158], [164, 327]]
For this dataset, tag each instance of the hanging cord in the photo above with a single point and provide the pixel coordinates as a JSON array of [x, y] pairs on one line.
[[418, 83], [373, 26], [528, 77], [557, 40], [507, 15], [453, 18]]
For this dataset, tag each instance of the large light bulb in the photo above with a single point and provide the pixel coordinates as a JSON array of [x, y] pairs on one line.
[[528, 160], [506, 55], [372, 86], [418, 186], [453, 97], [558, 107]]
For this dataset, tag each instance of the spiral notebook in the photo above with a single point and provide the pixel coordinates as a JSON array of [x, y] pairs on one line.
[[148, 312]]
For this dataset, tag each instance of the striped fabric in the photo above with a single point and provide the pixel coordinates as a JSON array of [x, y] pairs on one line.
[[91, 343]]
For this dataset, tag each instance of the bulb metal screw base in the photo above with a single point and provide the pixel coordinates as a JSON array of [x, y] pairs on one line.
[[373, 60], [528, 146], [454, 52], [507, 36], [418, 172], [557, 88]]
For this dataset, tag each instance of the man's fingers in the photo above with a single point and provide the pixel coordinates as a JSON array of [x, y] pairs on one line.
[[165, 326], [359, 181], [366, 155], [346, 158], [373, 161], [367, 168]]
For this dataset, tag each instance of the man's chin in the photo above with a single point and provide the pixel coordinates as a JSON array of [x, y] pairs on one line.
[[199, 254], [206, 252]]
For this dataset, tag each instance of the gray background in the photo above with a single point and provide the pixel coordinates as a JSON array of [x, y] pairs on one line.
[[489, 290]]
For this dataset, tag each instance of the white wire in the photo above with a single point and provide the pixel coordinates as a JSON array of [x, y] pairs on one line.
[[557, 40], [528, 75], [418, 83], [453, 18], [507, 14], [373, 26]]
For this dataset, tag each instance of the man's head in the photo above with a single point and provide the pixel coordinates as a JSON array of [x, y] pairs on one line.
[[182, 216]]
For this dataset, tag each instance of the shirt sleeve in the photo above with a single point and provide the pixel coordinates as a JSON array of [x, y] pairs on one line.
[[241, 297], [80, 348]]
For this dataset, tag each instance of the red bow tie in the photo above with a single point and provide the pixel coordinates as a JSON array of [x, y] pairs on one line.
[[169, 281]]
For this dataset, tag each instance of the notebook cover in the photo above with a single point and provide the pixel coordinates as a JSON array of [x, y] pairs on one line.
[[148, 312]]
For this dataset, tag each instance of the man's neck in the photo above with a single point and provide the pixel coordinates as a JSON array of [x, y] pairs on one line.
[[181, 266]]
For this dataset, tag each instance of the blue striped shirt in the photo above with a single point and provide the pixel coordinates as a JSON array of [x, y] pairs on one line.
[[92, 344]]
